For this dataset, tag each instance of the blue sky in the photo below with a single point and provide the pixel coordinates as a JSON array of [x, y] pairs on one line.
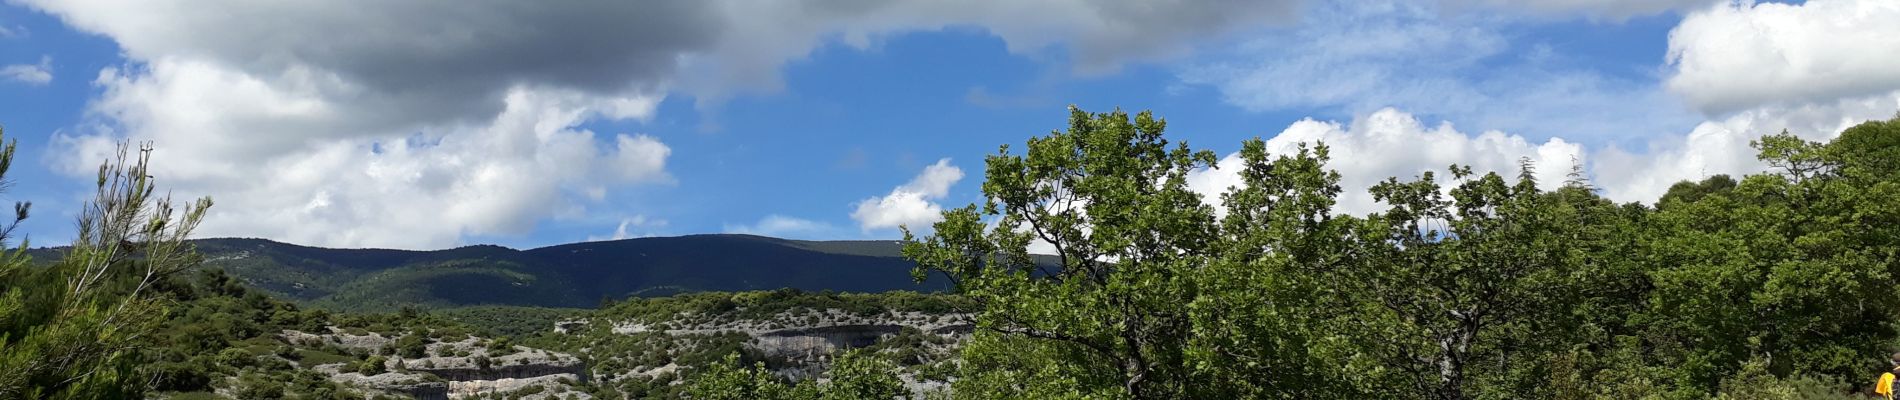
[[340, 124]]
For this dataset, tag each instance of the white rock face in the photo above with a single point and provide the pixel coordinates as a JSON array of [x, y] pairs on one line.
[[462, 389], [340, 338], [802, 319]]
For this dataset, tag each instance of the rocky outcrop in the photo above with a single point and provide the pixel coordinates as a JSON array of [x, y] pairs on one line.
[[806, 334], [499, 372], [819, 341], [480, 364], [548, 383], [453, 369], [790, 320], [569, 326], [419, 386], [369, 341]]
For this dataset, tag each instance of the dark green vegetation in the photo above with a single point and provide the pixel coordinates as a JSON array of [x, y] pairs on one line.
[[757, 305], [75, 328], [122, 313], [509, 321], [855, 376], [571, 275], [1777, 285], [220, 335]]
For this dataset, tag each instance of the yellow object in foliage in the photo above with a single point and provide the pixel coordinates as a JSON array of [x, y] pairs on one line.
[[1884, 386]]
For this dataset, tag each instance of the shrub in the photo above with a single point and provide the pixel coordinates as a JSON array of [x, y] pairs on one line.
[[372, 366]]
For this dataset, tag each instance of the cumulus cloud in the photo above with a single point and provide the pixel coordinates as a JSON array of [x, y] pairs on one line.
[[1742, 54], [913, 204], [1721, 146], [413, 124], [1355, 58], [31, 74], [430, 61], [422, 190], [731, 44], [640, 158], [1393, 143], [784, 227]]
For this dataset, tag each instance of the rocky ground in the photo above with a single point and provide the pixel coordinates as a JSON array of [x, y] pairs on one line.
[[646, 350], [468, 367], [797, 344]]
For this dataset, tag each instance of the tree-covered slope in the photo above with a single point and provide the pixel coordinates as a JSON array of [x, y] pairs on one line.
[[570, 275]]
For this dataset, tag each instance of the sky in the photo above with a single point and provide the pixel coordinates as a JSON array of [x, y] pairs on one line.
[[438, 123]]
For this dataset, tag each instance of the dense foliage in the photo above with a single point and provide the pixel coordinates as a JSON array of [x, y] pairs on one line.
[[219, 334], [74, 329], [854, 376], [1780, 284], [752, 305]]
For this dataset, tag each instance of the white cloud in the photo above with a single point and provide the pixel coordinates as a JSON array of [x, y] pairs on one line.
[[1098, 35], [12, 32], [1742, 55], [913, 204], [413, 124], [1355, 58], [637, 226], [1391, 143], [722, 45], [639, 158], [1615, 10], [32, 74], [288, 162], [1721, 146], [783, 227], [1210, 183], [1750, 69]]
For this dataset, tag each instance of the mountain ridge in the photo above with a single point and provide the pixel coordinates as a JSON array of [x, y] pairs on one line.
[[577, 274]]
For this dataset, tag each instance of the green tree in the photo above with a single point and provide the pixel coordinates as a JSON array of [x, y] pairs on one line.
[[1448, 279], [1793, 268], [858, 375], [1259, 324], [729, 380], [1109, 317], [73, 329], [854, 375], [374, 365]]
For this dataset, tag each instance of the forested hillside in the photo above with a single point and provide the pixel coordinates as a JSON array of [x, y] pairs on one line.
[[570, 275]]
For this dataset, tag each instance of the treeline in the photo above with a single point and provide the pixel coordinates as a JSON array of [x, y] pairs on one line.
[[1467, 285], [762, 304]]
